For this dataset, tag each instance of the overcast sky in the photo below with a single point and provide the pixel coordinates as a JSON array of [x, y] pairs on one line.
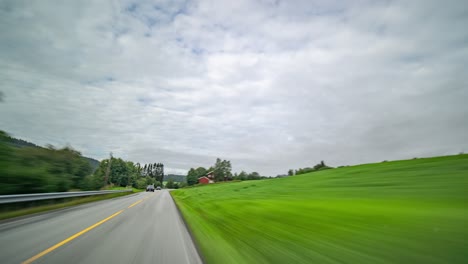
[[269, 85]]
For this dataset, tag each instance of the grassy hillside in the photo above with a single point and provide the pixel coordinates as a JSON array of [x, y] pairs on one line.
[[27, 168], [20, 143], [413, 211]]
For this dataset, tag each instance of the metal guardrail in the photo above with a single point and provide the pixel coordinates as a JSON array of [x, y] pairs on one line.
[[14, 198]]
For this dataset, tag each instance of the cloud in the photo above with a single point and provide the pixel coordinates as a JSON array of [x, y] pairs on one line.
[[269, 85]]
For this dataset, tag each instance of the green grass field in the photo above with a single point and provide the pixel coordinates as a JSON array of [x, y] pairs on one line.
[[412, 211]]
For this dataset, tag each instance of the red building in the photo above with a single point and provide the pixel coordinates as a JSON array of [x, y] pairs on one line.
[[209, 178], [204, 180]]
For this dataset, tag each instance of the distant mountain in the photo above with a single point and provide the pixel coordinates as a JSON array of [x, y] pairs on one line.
[[175, 177], [19, 143], [94, 163]]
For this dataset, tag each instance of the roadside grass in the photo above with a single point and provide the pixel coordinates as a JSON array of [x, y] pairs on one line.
[[11, 210], [411, 211]]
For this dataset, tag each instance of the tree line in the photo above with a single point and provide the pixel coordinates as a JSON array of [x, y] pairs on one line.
[[171, 184], [33, 169], [317, 167], [155, 170], [222, 171], [118, 172], [28, 168]]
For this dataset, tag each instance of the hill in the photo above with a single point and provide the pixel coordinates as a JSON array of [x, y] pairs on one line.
[[175, 177], [20, 143], [411, 211], [94, 163]]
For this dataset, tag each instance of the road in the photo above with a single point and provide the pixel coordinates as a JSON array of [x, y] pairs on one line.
[[139, 228]]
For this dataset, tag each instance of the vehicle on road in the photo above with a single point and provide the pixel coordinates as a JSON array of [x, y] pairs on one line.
[[150, 188], [158, 188]]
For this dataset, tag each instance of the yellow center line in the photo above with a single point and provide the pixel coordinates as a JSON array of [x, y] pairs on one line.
[[139, 201], [52, 248], [135, 203]]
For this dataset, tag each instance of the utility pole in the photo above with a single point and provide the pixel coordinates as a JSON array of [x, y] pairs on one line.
[[108, 169]]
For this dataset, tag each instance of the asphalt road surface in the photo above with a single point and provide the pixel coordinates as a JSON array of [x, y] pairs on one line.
[[139, 228]]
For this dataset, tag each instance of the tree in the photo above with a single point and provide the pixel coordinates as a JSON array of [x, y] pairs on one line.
[[304, 170], [170, 184], [157, 183], [141, 183], [291, 172], [243, 176], [201, 171], [154, 170], [131, 170], [119, 172], [159, 172], [149, 181], [192, 177], [150, 170], [222, 170], [253, 176], [194, 174], [317, 167], [138, 168]]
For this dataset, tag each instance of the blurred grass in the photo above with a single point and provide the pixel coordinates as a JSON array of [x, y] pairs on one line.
[[9, 210], [412, 211]]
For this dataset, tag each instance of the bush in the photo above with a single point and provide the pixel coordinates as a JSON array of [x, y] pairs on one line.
[[157, 183], [170, 184], [150, 181], [141, 183]]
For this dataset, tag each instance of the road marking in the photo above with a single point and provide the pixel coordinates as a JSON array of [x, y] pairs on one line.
[[139, 201], [135, 203], [52, 248]]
